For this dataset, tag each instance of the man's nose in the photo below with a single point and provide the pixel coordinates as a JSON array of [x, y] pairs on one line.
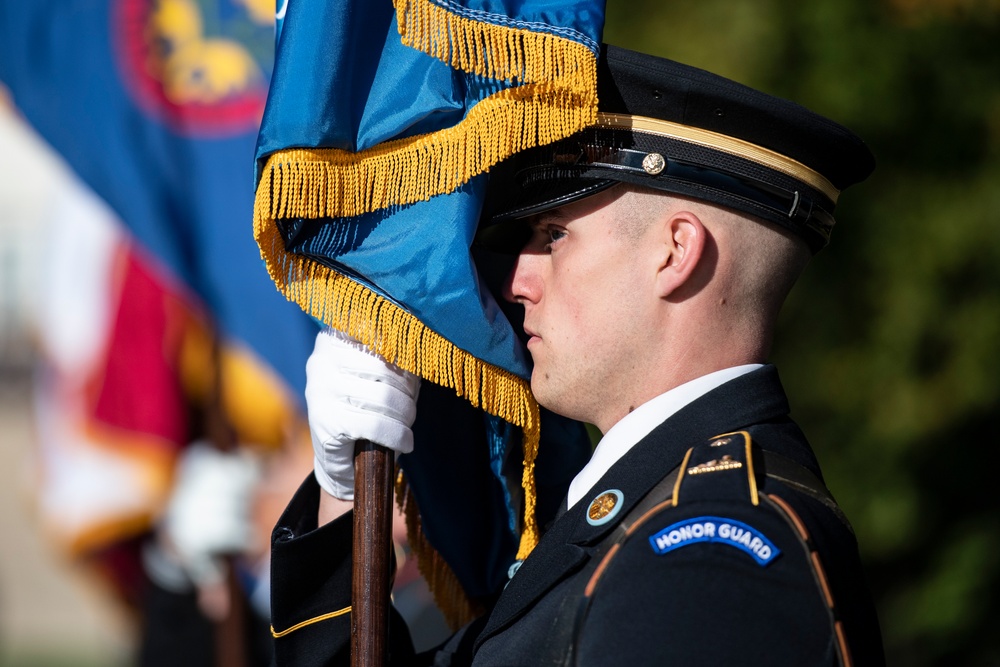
[[522, 284]]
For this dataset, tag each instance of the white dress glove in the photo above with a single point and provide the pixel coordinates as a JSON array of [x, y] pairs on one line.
[[354, 394], [209, 512]]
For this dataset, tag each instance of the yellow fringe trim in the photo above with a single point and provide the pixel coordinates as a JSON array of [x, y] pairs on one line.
[[556, 98], [455, 604], [490, 50], [404, 340]]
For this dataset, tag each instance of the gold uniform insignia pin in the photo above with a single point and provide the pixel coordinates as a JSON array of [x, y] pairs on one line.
[[727, 462], [653, 164], [604, 507]]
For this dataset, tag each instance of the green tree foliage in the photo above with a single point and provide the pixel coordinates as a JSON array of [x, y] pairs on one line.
[[889, 345]]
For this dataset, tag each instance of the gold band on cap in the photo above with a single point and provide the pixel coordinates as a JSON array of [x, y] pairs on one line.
[[724, 143]]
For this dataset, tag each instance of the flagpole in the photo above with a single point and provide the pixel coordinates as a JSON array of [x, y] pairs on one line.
[[373, 472]]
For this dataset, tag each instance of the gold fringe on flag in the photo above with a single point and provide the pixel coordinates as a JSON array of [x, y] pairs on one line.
[[404, 340], [556, 97], [553, 83]]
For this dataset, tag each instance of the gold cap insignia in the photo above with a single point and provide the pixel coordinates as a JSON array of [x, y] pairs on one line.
[[653, 164]]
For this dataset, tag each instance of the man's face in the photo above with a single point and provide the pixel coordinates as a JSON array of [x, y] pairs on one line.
[[585, 288]]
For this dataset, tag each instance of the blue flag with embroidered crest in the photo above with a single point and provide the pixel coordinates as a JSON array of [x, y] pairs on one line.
[[382, 122]]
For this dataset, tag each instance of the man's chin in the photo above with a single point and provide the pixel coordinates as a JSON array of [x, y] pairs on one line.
[[540, 388], [547, 395]]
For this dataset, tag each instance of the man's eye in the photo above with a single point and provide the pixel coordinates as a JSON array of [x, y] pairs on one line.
[[555, 234]]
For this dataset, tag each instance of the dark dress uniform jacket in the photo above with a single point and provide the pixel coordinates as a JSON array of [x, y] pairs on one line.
[[736, 562]]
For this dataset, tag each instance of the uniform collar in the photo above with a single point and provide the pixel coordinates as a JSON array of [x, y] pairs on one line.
[[636, 425], [748, 399]]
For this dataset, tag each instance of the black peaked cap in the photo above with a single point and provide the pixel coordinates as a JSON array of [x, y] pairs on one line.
[[680, 129]]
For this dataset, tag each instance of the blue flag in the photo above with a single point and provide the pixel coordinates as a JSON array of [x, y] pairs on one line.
[[382, 123], [156, 104]]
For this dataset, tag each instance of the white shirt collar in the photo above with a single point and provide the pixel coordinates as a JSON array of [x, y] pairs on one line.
[[637, 425]]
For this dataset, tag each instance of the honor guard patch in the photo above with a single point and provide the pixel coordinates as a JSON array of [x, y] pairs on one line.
[[719, 530], [604, 507]]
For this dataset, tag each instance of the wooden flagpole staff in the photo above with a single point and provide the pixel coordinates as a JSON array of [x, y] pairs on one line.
[[370, 586]]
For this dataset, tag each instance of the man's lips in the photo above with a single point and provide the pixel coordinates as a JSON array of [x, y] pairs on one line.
[[532, 336]]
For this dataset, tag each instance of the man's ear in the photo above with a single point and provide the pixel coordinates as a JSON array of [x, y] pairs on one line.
[[681, 245]]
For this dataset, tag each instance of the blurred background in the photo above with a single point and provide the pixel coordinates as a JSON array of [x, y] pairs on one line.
[[152, 426], [888, 347], [48, 610]]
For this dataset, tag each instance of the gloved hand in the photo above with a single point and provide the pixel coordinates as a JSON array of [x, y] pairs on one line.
[[209, 512], [354, 394]]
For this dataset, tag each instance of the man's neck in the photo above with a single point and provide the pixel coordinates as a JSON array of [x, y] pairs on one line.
[[682, 371], [637, 425]]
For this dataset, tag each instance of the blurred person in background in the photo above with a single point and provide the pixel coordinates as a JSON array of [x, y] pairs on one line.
[[142, 477]]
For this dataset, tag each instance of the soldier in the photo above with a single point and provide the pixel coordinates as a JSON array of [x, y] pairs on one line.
[[660, 246]]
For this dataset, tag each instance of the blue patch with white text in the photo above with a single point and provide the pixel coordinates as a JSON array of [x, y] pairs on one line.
[[716, 529]]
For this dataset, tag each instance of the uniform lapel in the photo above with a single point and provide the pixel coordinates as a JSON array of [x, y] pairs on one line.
[[567, 546], [553, 559]]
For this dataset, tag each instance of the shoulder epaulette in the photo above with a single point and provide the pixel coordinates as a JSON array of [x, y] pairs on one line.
[[726, 467]]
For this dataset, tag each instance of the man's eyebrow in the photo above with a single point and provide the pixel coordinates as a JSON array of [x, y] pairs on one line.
[[538, 220], [555, 214]]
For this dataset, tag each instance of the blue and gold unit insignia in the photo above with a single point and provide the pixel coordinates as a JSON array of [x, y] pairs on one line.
[[717, 530]]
